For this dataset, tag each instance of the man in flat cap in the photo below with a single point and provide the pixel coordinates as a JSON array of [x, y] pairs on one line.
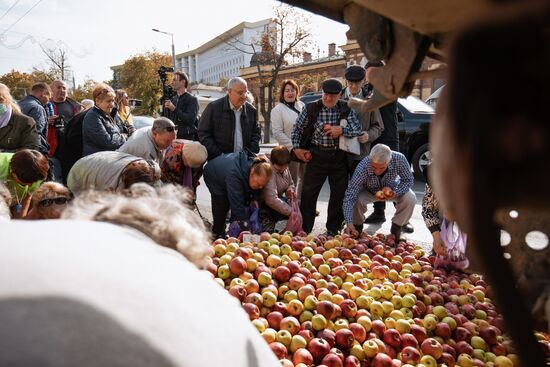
[[371, 121], [315, 140]]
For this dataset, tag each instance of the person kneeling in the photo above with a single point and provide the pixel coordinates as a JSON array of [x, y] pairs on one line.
[[275, 206], [383, 175]]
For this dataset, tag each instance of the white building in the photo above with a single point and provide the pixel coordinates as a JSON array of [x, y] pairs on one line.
[[224, 55]]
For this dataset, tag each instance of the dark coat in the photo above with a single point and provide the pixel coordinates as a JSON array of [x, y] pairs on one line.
[[217, 128], [100, 133], [185, 115], [32, 107], [227, 175], [19, 133]]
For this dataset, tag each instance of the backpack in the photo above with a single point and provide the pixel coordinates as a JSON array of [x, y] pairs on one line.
[[73, 142]]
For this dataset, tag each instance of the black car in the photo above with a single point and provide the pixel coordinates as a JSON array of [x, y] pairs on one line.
[[413, 122]]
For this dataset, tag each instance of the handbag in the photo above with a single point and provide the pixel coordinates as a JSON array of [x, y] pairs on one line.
[[350, 145], [455, 247]]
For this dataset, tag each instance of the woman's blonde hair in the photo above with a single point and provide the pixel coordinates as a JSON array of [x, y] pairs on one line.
[[261, 167], [102, 91], [119, 96], [5, 95], [161, 213]]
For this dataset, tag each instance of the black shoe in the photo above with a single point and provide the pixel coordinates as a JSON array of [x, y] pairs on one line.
[[330, 233], [375, 217], [396, 231], [358, 227], [408, 228]]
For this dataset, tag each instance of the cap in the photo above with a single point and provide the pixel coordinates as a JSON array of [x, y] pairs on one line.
[[194, 154], [332, 86], [355, 73]]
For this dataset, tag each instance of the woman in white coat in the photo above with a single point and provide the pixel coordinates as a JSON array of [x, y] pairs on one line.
[[283, 118]]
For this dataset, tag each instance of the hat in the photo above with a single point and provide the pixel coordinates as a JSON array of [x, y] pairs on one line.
[[332, 86], [194, 153], [355, 73]]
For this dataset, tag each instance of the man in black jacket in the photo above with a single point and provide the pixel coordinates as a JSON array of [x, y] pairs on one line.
[[218, 130], [33, 106], [183, 108]]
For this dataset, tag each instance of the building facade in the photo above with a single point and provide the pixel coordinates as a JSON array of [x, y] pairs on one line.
[[223, 56]]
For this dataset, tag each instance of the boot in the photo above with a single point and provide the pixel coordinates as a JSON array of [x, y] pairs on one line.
[[408, 228], [377, 215], [396, 231]]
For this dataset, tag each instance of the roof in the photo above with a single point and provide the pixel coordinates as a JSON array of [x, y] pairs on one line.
[[224, 36]]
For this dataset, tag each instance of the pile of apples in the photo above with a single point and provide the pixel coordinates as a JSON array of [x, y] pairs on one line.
[[340, 301]]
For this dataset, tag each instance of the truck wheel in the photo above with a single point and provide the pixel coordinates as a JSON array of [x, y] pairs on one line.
[[420, 160]]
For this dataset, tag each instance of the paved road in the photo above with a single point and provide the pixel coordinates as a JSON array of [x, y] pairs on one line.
[[420, 235]]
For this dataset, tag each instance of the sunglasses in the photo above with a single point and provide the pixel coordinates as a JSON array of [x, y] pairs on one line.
[[58, 201]]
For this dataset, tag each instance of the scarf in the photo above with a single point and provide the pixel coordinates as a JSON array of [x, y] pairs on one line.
[[6, 116], [292, 106], [172, 166]]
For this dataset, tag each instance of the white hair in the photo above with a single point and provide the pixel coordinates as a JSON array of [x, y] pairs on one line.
[[236, 81], [161, 213], [380, 153]]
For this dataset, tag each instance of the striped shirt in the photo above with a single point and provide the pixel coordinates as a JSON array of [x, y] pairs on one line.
[[398, 177], [326, 116]]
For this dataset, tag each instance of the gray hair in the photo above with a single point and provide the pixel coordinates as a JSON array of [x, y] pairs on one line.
[[235, 81], [161, 213], [161, 123], [380, 153], [5, 202], [87, 103]]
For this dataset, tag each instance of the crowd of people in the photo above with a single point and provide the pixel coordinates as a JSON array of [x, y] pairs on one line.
[[53, 147]]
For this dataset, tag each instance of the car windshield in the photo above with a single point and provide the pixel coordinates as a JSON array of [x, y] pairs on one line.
[[415, 105]]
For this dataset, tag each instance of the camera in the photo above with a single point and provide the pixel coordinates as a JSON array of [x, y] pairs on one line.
[[135, 103], [59, 122], [167, 91]]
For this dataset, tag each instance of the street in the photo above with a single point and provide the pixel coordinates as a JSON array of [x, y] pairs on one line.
[[421, 234]]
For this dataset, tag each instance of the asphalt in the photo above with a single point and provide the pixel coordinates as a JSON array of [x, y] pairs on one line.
[[420, 235]]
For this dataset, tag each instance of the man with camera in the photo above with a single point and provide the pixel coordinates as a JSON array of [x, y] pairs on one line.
[[183, 108]]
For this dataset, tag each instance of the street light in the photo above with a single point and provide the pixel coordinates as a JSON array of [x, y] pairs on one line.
[[173, 49]]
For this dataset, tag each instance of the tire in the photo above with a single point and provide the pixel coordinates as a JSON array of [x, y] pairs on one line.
[[420, 160]]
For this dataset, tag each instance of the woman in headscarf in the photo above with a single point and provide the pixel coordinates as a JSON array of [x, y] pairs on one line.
[[182, 164]]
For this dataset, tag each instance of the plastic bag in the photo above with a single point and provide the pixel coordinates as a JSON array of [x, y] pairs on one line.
[[253, 224], [234, 229], [455, 247], [295, 221]]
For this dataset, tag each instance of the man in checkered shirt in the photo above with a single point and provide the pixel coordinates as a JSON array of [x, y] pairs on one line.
[[383, 175], [315, 140]]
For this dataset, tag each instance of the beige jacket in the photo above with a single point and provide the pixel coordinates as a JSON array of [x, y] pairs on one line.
[[282, 123], [274, 190]]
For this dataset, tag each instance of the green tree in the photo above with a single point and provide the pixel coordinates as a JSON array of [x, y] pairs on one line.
[[18, 83], [84, 90], [140, 79]]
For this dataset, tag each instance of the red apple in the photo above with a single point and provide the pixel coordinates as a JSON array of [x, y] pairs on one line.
[[419, 333], [239, 292], [274, 319], [489, 334], [408, 340], [349, 308], [410, 355], [332, 360], [325, 308], [447, 359], [432, 347], [359, 332], [306, 334], [282, 274], [237, 265], [344, 339], [463, 347], [352, 361], [302, 355], [279, 349], [392, 337], [462, 334], [382, 360], [443, 330], [338, 352], [291, 324], [319, 348], [378, 327], [328, 335], [252, 310], [280, 307]]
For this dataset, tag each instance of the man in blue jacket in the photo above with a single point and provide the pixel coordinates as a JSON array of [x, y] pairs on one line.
[[33, 106]]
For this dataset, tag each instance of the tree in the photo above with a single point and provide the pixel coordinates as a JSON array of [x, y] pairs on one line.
[[58, 58], [140, 79], [18, 83], [287, 36], [84, 90], [311, 82]]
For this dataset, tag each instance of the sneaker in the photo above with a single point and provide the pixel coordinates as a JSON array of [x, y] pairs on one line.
[[408, 228], [375, 217]]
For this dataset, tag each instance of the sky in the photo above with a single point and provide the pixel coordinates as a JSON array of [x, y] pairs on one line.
[[102, 33]]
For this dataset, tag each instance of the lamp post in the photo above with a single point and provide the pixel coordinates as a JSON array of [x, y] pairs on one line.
[[173, 49]]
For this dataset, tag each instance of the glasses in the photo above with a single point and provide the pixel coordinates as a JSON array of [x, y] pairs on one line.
[[58, 201]]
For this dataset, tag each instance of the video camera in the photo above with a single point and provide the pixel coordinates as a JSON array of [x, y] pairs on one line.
[[167, 91]]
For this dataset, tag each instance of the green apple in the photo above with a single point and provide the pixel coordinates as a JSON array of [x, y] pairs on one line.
[[503, 361], [465, 360], [310, 303], [402, 326], [365, 322], [325, 295], [225, 259], [390, 322], [408, 301], [264, 278], [396, 314], [269, 299], [286, 249], [319, 322], [450, 321], [429, 322], [285, 337], [305, 316], [308, 251], [259, 325], [290, 295], [386, 291], [341, 324], [264, 245], [269, 335], [297, 342], [387, 306], [480, 354], [440, 312], [324, 269], [224, 272], [375, 308], [370, 348], [397, 301], [357, 351], [375, 293], [428, 361], [478, 343], [363, 302], [407, 313]]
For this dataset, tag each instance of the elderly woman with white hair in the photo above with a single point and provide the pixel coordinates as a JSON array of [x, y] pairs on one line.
[[384, 175], [151, 142]]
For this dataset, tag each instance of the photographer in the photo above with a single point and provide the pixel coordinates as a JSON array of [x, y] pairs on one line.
[[183, 108]]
